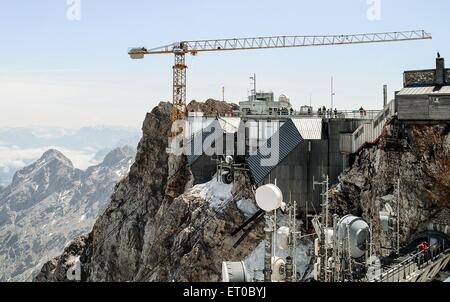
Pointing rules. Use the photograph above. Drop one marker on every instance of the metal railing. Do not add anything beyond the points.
(415, 262)
(368, 132)
(340, 114)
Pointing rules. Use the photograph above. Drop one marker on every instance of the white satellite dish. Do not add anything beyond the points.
(269, 197)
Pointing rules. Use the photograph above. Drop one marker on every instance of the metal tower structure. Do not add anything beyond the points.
(180, 49)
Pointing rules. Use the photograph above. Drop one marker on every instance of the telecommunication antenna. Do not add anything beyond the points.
(398, 218)
(324, 229)
(253, 91)
(332, 96)
(269, 198)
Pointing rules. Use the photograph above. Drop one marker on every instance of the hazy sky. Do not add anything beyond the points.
(59, 72)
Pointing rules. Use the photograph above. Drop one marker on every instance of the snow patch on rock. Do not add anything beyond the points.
(216, 192)
(247, 207)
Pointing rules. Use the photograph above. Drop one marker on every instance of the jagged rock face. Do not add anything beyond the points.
(48, 204)
(157, 227)
(423, 170)
(212, 107)
(52, 172)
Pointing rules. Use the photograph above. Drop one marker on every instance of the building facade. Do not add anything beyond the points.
(264, 103)
(425, 95)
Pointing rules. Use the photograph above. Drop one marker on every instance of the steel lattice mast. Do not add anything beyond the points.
(180, 49)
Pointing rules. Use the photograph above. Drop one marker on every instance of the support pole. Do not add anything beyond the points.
(294, 241)
(332, 97)
(326, 229)
(335, 249)
(289, 269)
(398, 217)
(268, 249)
(349, 254)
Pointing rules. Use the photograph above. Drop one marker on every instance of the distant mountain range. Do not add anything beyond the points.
(85, 146)
(49, 203)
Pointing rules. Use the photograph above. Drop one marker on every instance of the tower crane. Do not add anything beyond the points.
(180, 49)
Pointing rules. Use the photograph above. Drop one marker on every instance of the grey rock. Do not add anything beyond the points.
(156, 228)
(370, 183)
(48, 204)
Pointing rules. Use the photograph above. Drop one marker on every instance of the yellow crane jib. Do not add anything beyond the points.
(180, 49)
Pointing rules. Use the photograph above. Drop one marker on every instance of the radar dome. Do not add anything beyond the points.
(284, 98)
(234, 272)
(357, 230)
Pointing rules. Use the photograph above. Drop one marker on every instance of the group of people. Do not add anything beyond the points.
(327, 112)
(426, 252)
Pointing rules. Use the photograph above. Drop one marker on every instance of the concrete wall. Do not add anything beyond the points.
(203, 169)
(313, 160)
(335, 128)
(422, 107)
(296, 172)
(440, 110)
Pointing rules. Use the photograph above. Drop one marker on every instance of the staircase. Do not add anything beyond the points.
(367, 133)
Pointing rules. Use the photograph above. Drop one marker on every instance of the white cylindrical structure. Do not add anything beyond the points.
(234, 272)
(278, 269)
(357, 231)
(269, 197)
(316, 272)
(283, 238)
(316, 247)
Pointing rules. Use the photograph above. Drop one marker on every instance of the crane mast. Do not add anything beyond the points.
(180, 49)
(179, 87)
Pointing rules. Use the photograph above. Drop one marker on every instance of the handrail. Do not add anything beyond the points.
(406, 264)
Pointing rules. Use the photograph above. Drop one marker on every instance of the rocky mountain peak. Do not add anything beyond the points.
(54, 154)
(50, 203)
(117, 155)
(51, 162)
(53, 172)
(158, 227)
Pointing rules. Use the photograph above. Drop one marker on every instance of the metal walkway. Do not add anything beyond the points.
(417, 267)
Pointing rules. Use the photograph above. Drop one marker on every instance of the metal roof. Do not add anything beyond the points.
(428, 90)
(196, 124)
(195, 147)
(289, 138)
(309, 128)
(230, 124)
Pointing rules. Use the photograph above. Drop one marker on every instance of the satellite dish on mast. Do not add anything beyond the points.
(269, 197)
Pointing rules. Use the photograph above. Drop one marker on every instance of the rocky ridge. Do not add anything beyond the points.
(48, 204)
(158, 227)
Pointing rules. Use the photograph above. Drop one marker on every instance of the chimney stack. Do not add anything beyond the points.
(385, 96)
(440, 71)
